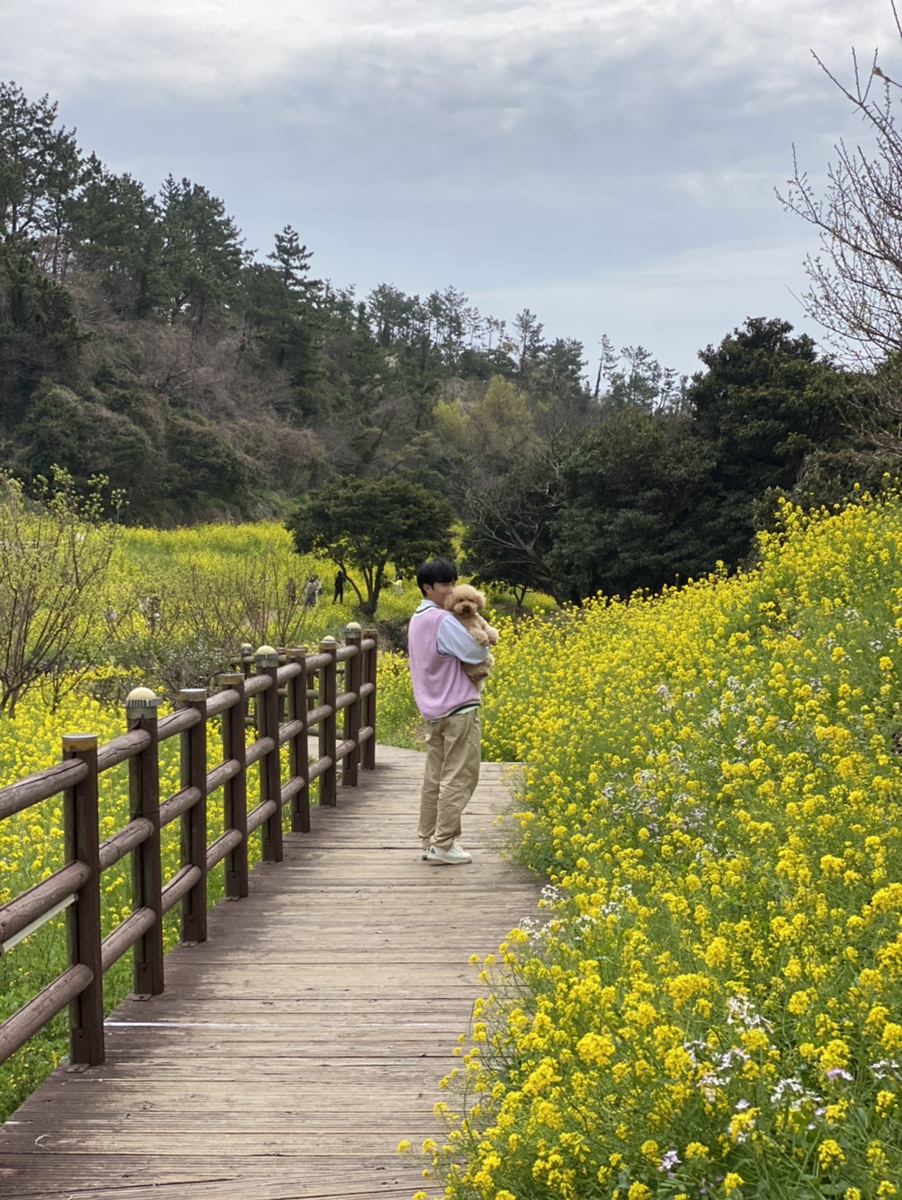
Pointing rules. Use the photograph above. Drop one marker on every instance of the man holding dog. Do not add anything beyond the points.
(448, 700)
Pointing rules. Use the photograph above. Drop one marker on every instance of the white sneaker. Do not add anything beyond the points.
(449, 857)
(426, 843)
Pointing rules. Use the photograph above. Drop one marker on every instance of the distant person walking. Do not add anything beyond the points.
(340, 577)
(312, 589)
(448, 701)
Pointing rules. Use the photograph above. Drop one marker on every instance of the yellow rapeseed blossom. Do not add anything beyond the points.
(830, 1153)
(711, 787)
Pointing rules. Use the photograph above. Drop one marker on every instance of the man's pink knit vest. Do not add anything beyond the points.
(439, 682)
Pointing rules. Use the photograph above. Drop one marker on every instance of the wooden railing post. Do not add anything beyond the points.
(270, 773)
(82, 841)
(247, 658)
(235, 790)
(352, 722)
(328, 725)
(193, 767)
(144, 801)
(298, 755)
(369, 712)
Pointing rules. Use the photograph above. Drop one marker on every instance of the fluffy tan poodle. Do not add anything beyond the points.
(466, 602)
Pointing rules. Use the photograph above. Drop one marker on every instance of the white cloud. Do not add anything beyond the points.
(218, 47)
(608, 164)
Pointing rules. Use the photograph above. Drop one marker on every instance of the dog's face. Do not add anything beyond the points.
(466, 601)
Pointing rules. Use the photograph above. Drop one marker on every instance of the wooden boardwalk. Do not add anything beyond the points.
(293, 1050)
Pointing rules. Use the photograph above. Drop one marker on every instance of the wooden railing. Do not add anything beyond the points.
(305, 691)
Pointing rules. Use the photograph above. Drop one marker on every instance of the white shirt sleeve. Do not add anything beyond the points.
(452, 639)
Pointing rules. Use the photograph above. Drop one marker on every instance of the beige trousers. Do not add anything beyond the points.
(450, 777)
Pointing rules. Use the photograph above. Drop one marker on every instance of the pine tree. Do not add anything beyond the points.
(39, 170)
(201, 253)
(118, 236)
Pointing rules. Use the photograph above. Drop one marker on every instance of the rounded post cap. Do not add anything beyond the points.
(266, 656)
(328, 640)
(353, 629)
(142, 702)
(246, 649)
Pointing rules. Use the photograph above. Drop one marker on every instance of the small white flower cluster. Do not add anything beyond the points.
(712, 719)
(722, 1073)
(549, 896)
(791, 1093)
(887, 1068)
(741, 1011)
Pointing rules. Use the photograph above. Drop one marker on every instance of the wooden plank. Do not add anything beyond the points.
(260, 1177)
(233, 1140)
(294, 1049)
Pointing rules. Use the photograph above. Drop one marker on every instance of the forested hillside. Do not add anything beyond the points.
(142, 340)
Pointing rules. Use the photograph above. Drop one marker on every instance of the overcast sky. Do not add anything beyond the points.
(608, 164)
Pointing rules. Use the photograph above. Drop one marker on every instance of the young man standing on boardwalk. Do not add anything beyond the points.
(448, 700)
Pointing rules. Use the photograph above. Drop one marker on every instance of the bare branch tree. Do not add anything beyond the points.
(856, 278)
(54, 551)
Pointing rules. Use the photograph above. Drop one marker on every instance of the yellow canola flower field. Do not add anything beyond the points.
(713, 1006)
(32, 848)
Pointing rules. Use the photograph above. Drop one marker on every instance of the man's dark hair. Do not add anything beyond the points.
(438, 570)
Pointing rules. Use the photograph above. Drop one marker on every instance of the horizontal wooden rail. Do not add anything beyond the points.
(343, 749)
(38, 901)
(292, 788)
(260, 748)
(221, 775)
(224, 844)
(122, 748)
(178, 804)
(119, 844)
(126, 934)
(40, 1011)
(16, 797)
(291, 729)
(319, 768)
(179, 886)
(303, 684)
(222, 702)
(261, 813)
